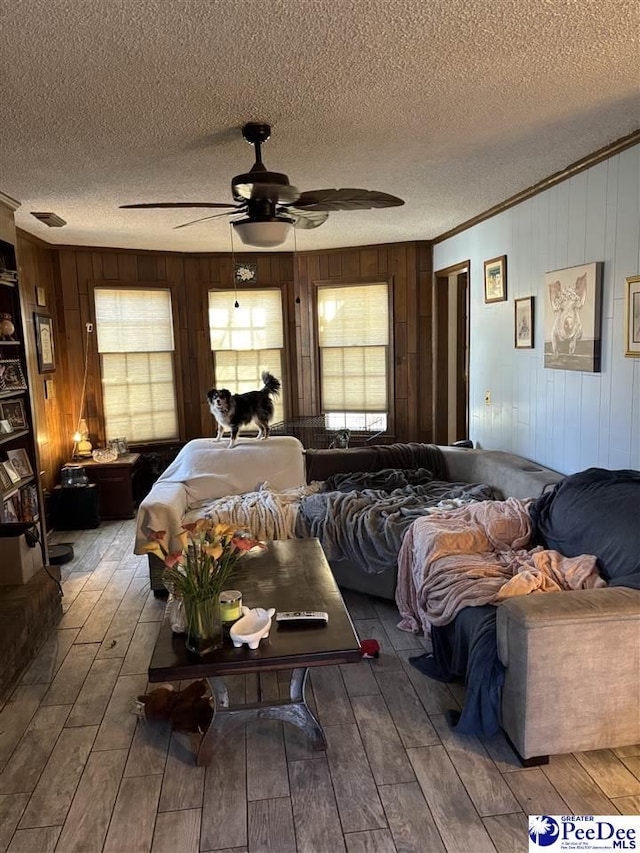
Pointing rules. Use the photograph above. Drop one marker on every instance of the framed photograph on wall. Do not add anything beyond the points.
(632, 317)
(523, 323)
(495, 279)
(43, 325)
(246, 272)
(572, 318)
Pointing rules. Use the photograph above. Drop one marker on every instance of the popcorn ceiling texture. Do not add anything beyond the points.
(453, 105)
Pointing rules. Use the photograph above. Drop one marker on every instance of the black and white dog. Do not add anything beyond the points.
(232, 411)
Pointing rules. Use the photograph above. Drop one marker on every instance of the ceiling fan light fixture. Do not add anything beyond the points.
(263, 233)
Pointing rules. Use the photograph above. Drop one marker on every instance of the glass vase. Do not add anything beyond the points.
(203, 625)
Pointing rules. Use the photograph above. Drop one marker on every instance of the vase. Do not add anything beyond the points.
(203, 625)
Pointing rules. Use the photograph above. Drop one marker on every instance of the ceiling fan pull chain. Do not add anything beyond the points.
(236, 304)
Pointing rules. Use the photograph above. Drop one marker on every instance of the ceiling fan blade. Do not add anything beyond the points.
(277, 193)
(240, 209)
(346, 199)
(306, 219)
(170, 204)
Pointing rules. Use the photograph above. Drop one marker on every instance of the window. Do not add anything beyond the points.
(135, 342)
(353, 336)
(247, 340)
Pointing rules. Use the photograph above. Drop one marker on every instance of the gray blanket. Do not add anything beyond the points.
(366, 526)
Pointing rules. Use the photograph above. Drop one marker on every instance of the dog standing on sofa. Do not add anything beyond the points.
(232, 411)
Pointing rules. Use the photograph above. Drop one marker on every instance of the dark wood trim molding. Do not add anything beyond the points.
(568, 172)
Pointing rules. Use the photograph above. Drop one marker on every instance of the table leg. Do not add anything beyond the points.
(293, 710)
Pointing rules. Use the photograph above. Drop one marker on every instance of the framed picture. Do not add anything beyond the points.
(5, 427)
(572, 318)
(11, 471)
(523, 323)
(9, 514)
(495, 279)
(11, 375)
(13, 411)
(5, 482)
(20, 461)
(44, 342)
(632, 317)
(246, 273)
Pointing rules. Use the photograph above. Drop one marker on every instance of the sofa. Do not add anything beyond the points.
(206, 473)
(570, 660)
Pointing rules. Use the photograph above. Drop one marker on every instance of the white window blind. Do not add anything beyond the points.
(353, 335)
(247, 340)
(134, 330)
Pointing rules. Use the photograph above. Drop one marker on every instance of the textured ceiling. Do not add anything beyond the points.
(454, 105)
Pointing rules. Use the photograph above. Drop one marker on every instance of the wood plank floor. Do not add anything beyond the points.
(80, 772)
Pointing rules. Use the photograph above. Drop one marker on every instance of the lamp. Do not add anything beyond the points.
(81, 438)
(263, 233)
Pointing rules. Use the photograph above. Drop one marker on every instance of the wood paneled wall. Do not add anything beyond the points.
(69, 275)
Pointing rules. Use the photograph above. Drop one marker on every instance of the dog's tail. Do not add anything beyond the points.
(271, 384)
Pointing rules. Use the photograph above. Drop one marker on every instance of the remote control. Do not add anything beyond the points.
(308, 617)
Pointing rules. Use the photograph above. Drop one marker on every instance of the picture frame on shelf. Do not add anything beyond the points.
(495, 279)
(28, 503)
(5, 482)
(11, 471)
(43, 325)
(5, 427)
(11, 375)
(573, 318)
(9, 512)
(632, 317)
(13, 411)
(19, 458)
(524, 318)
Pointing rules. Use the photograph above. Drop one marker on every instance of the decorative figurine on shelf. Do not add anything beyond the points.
(6, 328)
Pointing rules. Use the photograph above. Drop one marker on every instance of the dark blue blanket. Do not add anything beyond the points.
(593, 512)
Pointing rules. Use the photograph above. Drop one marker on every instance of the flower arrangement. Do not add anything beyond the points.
(210, 552)
(197, 574)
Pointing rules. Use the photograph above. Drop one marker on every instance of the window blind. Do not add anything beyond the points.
(353, 335)
(134, 331)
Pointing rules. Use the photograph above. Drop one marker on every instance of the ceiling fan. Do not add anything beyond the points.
(270, 206)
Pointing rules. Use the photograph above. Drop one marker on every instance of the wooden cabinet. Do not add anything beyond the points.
(117, 482)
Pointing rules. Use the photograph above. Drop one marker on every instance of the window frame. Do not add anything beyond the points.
(286, 392)
(95, 362)
(390, 360)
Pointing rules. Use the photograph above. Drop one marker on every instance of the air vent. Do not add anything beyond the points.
(50, 219)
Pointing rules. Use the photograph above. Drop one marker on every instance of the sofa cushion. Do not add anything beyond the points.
(594, 512)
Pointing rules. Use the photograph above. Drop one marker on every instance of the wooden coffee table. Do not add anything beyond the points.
(290, 575)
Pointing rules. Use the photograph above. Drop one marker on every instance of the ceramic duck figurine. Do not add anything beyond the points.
(252, 626)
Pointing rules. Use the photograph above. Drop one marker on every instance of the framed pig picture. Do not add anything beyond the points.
(572, 318)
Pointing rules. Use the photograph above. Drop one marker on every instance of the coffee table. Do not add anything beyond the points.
(289, 575)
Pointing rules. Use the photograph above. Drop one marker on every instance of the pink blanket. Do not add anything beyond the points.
(477, 555)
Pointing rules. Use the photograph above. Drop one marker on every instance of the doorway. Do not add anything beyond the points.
(451, 354)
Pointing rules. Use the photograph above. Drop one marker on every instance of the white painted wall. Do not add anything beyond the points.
(561, 418)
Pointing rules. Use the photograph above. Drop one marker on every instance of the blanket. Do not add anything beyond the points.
(267, 513)
(477, 555)
(366, 526)
(451, 574)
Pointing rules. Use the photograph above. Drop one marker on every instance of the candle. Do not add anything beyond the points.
(230, 605)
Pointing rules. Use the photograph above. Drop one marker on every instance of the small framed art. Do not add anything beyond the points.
(495, 279)
(632, 317)
(246, 273)
(44, 342)
(20, 461)
(13, 411)
(11, 375)
(523, 323)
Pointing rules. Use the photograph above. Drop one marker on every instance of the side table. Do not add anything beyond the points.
(116, 483)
